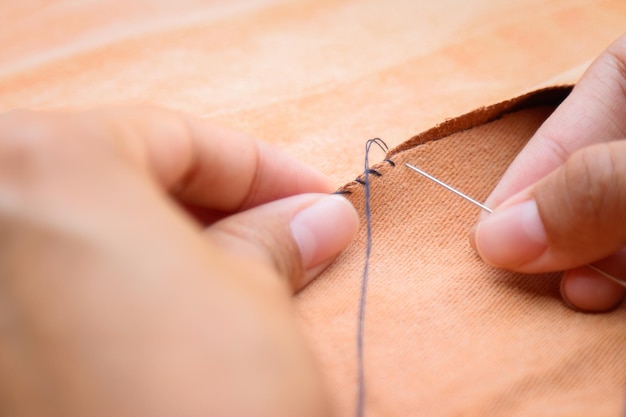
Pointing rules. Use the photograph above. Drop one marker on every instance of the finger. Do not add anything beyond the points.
(587, 290)
(201, 163)
(298, 236)
(572, 217)
(594, 112)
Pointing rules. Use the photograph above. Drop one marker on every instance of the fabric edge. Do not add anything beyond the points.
(552, 95)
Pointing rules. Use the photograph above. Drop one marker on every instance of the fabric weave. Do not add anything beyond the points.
(445, 334)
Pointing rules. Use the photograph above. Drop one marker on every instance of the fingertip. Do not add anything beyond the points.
(512, 236)
(585, 290)
(322, 231)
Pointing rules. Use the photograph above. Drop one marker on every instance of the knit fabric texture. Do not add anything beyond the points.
(446, 334)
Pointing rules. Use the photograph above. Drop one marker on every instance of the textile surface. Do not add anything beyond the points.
(315, 77)
(445, 334)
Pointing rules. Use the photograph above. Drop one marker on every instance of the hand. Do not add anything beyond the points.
(562, 203)
(114, 300)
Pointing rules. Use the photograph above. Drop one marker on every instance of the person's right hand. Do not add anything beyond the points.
(562, 203)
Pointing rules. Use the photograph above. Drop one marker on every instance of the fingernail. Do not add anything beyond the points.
(564, 293)
(472, 237)
(586, 290)
(511, 237)
(324, 229)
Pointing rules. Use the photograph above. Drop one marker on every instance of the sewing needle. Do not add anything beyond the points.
(489, 210)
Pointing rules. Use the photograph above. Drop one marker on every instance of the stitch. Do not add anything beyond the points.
(381, 144)
(342, 192)
(380, 226)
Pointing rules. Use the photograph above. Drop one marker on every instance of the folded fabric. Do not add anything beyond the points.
(446, 334)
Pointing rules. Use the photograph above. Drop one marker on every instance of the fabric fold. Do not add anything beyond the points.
(446, 334)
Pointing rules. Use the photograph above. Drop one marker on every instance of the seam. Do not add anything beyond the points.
(545, 96)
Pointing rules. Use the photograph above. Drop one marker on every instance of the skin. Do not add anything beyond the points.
(562, 202)
(147, 262)
(147, 258)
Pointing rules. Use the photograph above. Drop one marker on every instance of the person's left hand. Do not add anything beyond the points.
(146, 264)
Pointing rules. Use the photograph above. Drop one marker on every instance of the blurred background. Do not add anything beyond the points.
(317, 78)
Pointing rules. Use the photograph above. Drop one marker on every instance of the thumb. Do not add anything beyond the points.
(574, 216)
(298, 236)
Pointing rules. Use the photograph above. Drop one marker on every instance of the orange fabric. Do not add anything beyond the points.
(447, 335)
(315, 77)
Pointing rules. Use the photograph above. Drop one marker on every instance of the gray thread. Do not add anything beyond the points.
(360, 402)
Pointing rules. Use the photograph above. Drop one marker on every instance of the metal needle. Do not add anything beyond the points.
(489, 210)
(446, 186)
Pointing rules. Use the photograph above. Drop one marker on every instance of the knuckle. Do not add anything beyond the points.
(43, 144)
(26, 136)
(557, 148)
(590, 178)
(25, 146)
(40, 153)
